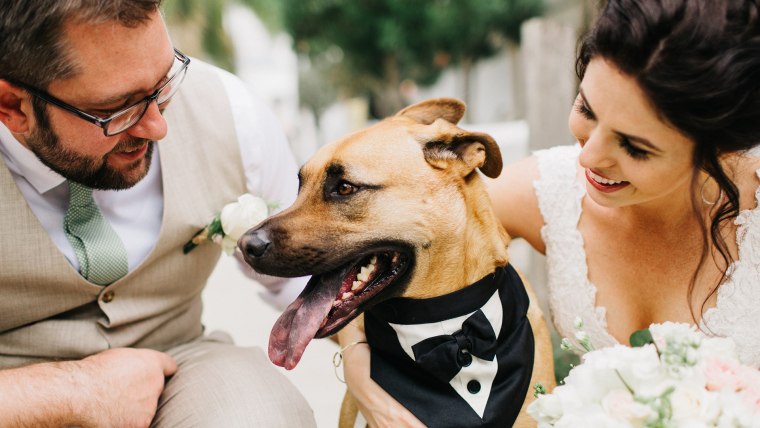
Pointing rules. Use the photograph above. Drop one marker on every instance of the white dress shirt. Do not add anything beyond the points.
(135, 213)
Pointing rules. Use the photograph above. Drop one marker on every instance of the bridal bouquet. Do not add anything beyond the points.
(672, 376)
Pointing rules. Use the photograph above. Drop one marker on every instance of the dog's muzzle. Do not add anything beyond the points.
(254, 243)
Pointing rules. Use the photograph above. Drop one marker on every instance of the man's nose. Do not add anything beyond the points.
(152, 126)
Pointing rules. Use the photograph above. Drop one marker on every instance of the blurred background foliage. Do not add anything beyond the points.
(368, 47)
(205, 19)
(382, 43)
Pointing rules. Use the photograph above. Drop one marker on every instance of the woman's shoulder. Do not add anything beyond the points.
(514, 201)
(518, 195)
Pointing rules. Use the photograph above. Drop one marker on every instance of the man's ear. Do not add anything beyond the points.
(11, 114)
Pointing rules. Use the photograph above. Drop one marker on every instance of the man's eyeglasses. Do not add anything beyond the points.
(125, 118)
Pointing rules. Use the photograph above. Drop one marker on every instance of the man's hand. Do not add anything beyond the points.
(123, 385)
(115, 388)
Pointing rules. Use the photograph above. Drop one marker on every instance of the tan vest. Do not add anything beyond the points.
(49, 312)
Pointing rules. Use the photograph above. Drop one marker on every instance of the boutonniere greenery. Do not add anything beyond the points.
(231, 223)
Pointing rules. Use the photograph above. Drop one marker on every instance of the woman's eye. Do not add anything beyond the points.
(632, 150)
(581, 108)
(345, 188)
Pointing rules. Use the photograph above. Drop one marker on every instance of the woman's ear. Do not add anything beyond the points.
(11, 114)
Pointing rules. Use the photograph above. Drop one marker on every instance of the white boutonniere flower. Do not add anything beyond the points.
(231, 223)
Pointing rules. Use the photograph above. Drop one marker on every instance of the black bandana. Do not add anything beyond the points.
(469, 369)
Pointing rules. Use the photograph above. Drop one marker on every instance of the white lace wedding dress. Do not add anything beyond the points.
(571, 294)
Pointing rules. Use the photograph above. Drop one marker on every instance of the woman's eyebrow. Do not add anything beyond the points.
(633, 138)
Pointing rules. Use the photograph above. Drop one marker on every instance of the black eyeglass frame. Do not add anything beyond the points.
(104, 122)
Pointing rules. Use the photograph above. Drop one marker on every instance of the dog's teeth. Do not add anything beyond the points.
(336, 303)
(357, 285)
(363, 275)
(347, 296)
(374, 260)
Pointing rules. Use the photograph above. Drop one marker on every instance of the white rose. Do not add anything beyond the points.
(591, 417)
(736, 412)
(550, 408)
(674, 329)
(546, 408)
(238, 217)
(677, 335)
(619, 404)
(592, 382)
(639, 368)
(691, 402)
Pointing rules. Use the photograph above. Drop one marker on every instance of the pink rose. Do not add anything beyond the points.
(722, 375)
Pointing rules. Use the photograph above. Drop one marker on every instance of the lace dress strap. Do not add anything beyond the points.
(737, 311)
(571, 295)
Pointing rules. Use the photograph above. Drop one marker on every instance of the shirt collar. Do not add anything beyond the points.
(25, 163)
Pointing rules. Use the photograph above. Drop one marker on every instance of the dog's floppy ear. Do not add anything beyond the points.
(443, 142)
(468, 150)
(427, 112)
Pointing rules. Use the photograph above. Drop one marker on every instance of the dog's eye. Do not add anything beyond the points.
(345, 188)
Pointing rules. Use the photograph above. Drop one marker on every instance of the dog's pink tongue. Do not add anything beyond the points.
(299, 323)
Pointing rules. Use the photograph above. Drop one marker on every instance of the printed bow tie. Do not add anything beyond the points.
(444, 356)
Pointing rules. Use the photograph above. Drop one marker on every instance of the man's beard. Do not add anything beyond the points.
(91, 172)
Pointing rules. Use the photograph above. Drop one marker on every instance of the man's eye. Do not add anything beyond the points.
(108, 112)
(105, 113)
(345, 188)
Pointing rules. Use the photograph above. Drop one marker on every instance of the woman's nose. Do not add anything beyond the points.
(596, 152)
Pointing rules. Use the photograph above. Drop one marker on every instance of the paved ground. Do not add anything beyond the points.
(232, 304)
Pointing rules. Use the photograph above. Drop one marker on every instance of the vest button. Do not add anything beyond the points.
(108, 296)
(465, 358)
(473, 386)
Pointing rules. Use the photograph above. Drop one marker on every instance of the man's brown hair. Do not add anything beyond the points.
(32, 49)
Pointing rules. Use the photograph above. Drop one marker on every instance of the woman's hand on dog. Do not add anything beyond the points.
(377, 406)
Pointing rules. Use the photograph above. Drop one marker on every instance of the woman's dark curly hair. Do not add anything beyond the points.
(698, 62)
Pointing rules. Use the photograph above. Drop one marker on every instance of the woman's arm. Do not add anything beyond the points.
(377, 406)
(514, 201)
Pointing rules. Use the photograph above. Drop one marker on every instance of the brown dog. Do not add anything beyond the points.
(397, 214)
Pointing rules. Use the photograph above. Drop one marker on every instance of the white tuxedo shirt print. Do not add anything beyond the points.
(463, 359)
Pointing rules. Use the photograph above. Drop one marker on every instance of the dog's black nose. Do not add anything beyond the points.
(254, 243)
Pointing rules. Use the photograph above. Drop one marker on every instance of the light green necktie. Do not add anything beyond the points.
(102, 256)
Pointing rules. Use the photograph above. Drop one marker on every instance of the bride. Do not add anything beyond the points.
(653, 216)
